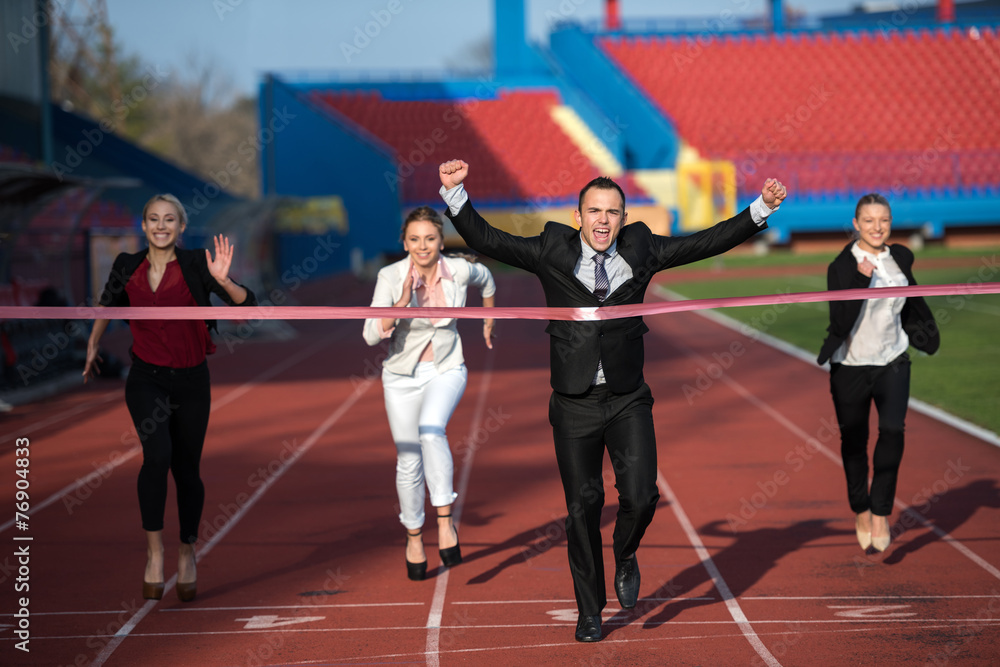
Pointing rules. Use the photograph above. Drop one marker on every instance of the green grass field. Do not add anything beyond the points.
(963, 378)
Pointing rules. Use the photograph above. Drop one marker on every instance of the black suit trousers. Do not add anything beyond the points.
(583, 426)
(170, 409)
(854, 389)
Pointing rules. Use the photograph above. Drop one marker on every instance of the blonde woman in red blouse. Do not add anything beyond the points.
(424, 376)
(167, 391)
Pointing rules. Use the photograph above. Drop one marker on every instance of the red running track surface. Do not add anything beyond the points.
(751, 558)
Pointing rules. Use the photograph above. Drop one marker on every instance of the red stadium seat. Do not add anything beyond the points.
(512, 164)
(865, 98)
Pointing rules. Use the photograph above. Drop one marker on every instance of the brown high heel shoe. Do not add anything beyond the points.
(152, 591)
(186, 591)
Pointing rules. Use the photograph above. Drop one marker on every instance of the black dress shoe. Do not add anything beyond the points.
(627, 582)
(588, 628)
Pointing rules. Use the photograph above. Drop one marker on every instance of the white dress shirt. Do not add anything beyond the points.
(411, 335)
(877, 337)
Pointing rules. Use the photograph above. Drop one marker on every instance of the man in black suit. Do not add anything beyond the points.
(599, 396)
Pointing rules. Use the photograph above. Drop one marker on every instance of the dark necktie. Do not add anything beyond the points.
(601, 286)
(601, 282)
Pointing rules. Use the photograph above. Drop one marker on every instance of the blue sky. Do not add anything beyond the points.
(245, 38)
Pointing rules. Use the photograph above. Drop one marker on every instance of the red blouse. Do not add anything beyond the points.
(172, 343)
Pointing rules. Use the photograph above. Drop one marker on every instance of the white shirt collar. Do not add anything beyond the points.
(588, 252)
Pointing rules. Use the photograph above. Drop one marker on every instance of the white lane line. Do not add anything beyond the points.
(280, 367)
(808, 357)
(947, 538)
(433, 644)
(120, 636)
(916, 598)
(62, 416)
(610, 610)
(115, 461)
(294, 606)
(828, 453)
(869, 626)
(573, 602)
(735, 611)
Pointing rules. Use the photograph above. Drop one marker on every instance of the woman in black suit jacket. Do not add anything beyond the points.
(866, 347)
(167, 391)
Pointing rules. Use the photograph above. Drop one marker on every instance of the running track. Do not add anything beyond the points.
(751, 558)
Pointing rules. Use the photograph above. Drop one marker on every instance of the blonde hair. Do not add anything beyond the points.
(170, 199)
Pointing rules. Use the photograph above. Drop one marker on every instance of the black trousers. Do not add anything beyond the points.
(583, 426)
(854, 388)
(170, 408)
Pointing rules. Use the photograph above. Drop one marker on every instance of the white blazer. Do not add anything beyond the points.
(410, 336)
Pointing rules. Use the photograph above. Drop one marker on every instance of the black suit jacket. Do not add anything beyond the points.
(917, 320)
(194, 268)
(577, 347)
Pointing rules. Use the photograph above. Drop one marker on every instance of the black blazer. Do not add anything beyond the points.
(917, 320)
(576, 347)
(194, 268)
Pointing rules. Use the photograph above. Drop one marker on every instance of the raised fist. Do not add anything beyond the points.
(453, 172)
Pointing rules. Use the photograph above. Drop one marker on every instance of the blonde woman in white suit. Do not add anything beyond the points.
(424, 376)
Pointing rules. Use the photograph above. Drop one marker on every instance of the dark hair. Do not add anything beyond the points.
(872, 198)
(601, 183)
(425, 213)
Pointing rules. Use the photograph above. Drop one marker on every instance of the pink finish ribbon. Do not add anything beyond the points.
(251, 313)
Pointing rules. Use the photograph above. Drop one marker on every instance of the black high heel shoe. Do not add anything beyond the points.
(451, 556)
(416, 571)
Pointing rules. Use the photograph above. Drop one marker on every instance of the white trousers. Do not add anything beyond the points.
(419, 407)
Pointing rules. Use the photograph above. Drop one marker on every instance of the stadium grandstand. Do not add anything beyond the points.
(687, 113)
